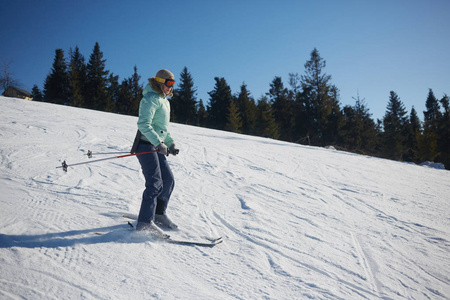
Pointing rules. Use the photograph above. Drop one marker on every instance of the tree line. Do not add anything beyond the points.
(75, 82)
(307, 111)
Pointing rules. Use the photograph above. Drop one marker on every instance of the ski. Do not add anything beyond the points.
(211, 242)
(130, 216)
(207, 243)
(130, 228)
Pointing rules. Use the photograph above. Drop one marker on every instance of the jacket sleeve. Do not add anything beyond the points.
(147, 109)
(168, 140)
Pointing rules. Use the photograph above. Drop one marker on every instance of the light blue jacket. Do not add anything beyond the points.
(154, 118)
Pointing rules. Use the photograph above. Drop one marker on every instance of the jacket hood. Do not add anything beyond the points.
(148, 89)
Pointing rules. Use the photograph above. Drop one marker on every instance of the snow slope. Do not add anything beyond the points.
(299, 222)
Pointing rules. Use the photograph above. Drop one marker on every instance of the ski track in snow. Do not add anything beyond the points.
(298, 222)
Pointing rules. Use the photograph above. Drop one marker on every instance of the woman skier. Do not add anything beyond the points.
(153, 134)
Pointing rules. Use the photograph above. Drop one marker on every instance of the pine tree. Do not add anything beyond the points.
(395, 128)
(265, 122)
(299, 110)
(380, 138)
(56, 86)
(323, 100)
(304, 117)
(97, 96)
(136, 90)
(368, 131)
(219, 103)
(372, 134)
(127, 95)
(77, 78)
(414, 129)
(350, 137)
(202, 115)
(334, 120)
(36, 93)
(114, 92)
(282, 108)
(173, 106)
(432, 114)
(428, 149)
(426, 146)
(444, 133)
(234, 122)
(184, 102)
(358, 132)
(445, 104)
(247, 110)
(295, 84)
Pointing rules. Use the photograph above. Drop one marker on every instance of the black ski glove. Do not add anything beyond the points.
(172, 150)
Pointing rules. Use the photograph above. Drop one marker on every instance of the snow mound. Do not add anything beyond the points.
(434, 165)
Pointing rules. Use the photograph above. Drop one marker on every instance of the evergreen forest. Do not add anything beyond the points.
(305, 110)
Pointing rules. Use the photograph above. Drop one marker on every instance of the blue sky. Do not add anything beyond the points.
(371, 47)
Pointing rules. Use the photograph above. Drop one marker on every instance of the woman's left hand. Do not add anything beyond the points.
(173, 150)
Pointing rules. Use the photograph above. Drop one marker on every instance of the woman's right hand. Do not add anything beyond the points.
(162, 148)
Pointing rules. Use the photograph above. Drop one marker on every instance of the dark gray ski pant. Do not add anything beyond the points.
(159, 183)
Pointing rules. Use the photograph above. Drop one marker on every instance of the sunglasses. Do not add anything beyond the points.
(167, 82)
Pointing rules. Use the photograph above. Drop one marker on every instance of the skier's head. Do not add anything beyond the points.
(165, 81)
(165, 74)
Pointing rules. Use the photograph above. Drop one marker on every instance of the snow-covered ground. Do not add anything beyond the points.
(298, 222)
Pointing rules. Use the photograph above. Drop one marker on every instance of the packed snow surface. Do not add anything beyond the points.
(298, 222)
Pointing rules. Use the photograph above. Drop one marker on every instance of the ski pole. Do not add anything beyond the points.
(64, 165)
(90, 154)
